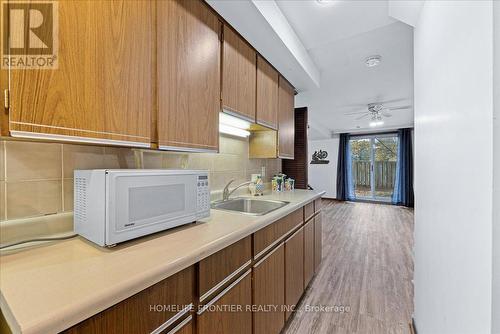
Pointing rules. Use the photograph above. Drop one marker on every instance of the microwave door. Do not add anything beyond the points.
(149, 203)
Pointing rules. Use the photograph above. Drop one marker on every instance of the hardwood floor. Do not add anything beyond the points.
(367, 267)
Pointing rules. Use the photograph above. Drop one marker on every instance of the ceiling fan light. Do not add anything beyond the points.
(325, 2)
(375, 124)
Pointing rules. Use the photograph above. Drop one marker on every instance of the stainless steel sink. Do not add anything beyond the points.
(249, 206)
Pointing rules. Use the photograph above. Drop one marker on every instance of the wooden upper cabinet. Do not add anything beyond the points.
(103, 87)
(188, 75)
(286, 120)
(239, 74)
(267, 94)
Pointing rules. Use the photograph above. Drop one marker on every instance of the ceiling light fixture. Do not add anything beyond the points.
(373, 61)
(324, 2)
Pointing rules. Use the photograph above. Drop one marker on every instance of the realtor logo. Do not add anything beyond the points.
(29, 34)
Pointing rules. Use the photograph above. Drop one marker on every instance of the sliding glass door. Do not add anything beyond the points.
(373, 163)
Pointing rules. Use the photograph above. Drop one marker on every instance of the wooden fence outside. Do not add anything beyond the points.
(385, 174)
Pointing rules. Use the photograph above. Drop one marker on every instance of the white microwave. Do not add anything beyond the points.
(115, 205)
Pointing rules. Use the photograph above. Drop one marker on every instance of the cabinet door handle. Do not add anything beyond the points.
(170, 321)
(182, 324)
(225, 280)
(268, 255)
(294, 234)
(220, 295)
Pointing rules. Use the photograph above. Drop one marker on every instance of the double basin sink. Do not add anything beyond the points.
(249, 206)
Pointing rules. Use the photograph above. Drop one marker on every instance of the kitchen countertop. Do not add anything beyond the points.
(51, 287)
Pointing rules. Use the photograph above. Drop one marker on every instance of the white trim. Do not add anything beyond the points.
(182, 324)
(187, 143)
(77, 139)
(220, 295)
(75, 129)
(170, 321)
(186, 149)
(225, 280)
(236, 114)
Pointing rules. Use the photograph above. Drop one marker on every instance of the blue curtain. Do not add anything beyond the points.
(403, 188)
(345, 189)
(350, 184)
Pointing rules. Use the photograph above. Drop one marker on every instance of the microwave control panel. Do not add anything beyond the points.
(203, 197)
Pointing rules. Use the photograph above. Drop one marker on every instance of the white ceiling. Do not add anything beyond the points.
(321, 49)
(319, 24)
(339, 36)
(347, 85)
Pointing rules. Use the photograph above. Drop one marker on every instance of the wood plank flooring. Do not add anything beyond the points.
(367, 266)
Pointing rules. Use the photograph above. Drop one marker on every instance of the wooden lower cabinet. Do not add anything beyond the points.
(317, 205)
(265, 238)
(134, 314)
(240, 297)
(308, 211)
(230, 311)
(269, 292)
(308, 252)
(294, 270)
(318, 242)
(215, 271)
(185, 327)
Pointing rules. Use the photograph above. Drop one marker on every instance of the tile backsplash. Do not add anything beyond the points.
(37, 178)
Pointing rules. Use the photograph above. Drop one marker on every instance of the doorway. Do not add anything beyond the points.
(374, 166)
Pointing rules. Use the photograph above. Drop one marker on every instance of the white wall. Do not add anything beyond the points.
(496, 176)
(453, 167)
(324, 177)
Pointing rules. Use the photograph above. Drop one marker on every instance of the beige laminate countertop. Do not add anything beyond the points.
(51, 287)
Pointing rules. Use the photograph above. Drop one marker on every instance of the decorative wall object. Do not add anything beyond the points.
(319, 157)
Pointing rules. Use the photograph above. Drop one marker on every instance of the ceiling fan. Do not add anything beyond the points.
(376, 111)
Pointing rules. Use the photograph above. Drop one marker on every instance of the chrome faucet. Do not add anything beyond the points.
(226, 193)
